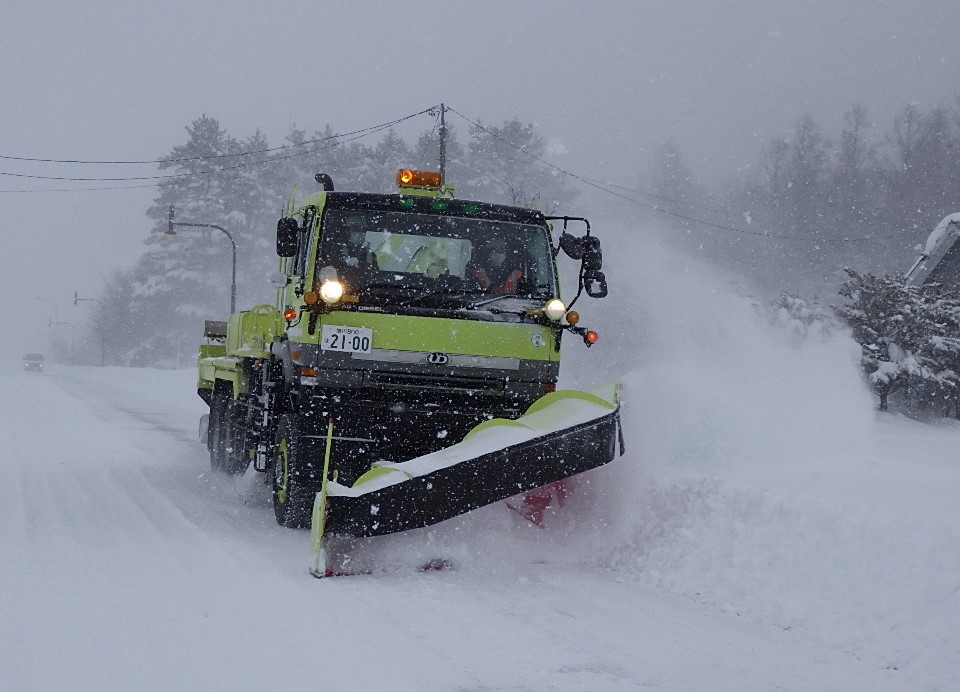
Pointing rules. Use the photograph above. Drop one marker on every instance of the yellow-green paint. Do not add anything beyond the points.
(213, 369)
(444, 191)
(546, 400)
(448, 335)
(378, 471)
(553, 397)
(250, 332)
(206, 374)
(212, 350)
(494, 423)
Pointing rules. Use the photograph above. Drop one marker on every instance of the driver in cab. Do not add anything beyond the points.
(495, 267)
(355, 251)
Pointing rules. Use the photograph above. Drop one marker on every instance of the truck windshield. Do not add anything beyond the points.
(384, 250)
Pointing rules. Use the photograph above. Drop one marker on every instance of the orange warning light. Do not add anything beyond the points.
(408, 177)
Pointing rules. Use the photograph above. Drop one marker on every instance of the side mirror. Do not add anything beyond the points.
(571, 245)
(592, 257)
(287, 232)
(595, 283)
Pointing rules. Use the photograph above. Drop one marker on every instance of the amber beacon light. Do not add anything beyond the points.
(414, 178)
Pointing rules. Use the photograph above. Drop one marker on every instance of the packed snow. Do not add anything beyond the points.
(766, 529)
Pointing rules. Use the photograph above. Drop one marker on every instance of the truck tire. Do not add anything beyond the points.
(292, 494)
(235, 459)
(218, 441)
(204, 430)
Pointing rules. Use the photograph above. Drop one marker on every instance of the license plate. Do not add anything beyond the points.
(346, 339)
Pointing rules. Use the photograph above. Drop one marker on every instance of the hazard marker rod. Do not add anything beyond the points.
(319, 517)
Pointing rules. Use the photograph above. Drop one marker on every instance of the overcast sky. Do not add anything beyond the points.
(609, 81)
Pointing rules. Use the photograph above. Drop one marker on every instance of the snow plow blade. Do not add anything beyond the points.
(562, 434)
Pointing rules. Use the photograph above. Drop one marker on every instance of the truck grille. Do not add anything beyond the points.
(410, 382)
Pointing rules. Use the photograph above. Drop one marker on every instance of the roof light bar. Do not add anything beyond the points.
(409, 177)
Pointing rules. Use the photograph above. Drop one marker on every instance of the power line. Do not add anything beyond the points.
(163, 178)
(83, 189)
(338, 139)
(653, 207)
(184, 175)
(160, 179)
(208, 171)
(368, 130)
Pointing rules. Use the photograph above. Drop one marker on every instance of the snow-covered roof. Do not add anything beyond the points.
(938, 244)
(943, 229)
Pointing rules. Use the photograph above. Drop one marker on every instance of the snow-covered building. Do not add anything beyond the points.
(940, 260)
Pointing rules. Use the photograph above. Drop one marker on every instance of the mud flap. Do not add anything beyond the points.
(561, 435)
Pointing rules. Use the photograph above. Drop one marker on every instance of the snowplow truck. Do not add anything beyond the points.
(408, 368)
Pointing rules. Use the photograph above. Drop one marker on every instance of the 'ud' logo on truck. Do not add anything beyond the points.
(438, 358)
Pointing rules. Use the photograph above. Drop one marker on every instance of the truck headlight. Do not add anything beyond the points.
(554, 309)
(331, 291)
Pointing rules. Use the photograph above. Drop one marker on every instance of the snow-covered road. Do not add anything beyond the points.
(767, 530)
(127, 565)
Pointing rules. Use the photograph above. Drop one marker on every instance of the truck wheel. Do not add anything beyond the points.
(218, 441)
(235, 459)
(204, 430)
(292, 495)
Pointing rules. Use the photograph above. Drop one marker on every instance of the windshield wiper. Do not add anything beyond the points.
(384, 284)
(436, 292)
(473, 306)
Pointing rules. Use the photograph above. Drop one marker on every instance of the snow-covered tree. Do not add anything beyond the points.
(910, 337)
(504, 168)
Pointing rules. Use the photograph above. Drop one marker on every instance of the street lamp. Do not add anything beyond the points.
(233, 282)
(78, 299)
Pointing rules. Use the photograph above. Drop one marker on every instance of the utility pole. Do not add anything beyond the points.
(52, 342)
(443, 144)
(73, 339)
(103, 346)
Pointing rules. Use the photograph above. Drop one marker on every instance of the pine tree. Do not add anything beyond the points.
(909, 337)
(671, 179)
(504, 168)
(854, 172)
(182, 281)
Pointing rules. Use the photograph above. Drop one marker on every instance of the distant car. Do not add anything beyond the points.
(33, 361)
